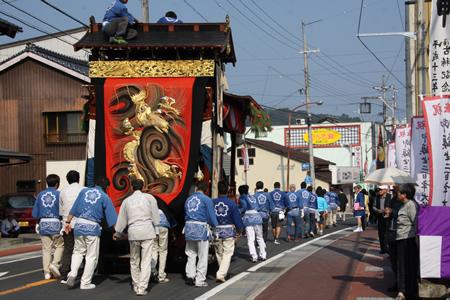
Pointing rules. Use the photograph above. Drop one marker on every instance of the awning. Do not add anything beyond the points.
(8, 158)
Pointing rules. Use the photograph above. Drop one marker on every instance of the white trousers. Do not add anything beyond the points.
(224, 251)
(332, 217)
(342, 215)
(85, 246)
(140, 260)
(51, 244)
(196, 269)
(252, 232)
(159, 253)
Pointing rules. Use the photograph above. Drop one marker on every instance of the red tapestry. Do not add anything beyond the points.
(148, 125)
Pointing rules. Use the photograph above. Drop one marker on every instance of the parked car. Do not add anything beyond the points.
(20, 206)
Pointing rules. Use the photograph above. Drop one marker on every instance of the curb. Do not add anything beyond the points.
(20, 250)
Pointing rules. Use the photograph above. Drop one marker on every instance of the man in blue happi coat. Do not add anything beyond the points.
(313, 212)
(169, 18)
(117, 23)
(333, 206)
(304, 196)
(91, 207)
(230, 224)
(264, 206)
(277, 202)
(161, 243)
(46, 209)
(253, 223)
(294, 215)
(199, 216)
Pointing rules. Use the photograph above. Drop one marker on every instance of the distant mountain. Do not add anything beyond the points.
(281, 116)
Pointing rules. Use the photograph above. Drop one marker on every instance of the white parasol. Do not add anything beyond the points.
(389, 176)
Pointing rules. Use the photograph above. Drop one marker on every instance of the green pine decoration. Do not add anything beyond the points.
(260, 121)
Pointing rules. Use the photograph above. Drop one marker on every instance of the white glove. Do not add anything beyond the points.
(302, 213)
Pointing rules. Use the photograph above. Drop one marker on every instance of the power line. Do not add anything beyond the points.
(64, 13)
(351, 79)
(195, 10)
(34, 27)
(371, 52)
(401, 17)
(37, 19)
(275, 21)
(259, 27)
(267, 24)
(251, 53)
(317, 116)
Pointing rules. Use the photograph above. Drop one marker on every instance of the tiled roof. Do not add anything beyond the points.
(321, 165)
(77, 65)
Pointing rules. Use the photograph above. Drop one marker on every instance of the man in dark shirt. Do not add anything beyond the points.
(342, 204)
(383, 198)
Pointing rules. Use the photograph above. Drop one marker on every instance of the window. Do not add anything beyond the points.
(64, 128)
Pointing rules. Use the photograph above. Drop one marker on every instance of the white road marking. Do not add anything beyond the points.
(19, 257)
(3, 273)
(238, 277)
(21, 274)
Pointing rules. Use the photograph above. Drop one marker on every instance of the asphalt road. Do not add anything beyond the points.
(24, 279)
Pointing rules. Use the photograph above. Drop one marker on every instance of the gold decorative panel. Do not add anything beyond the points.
(151, 68)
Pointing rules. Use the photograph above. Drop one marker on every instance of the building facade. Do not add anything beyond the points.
(41, 111)
(344, 144)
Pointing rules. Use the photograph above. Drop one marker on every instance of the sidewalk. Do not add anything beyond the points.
(350, 268)
(27, 242)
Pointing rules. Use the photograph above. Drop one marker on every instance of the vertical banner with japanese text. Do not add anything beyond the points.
(439, 60)
(403, 148)
(437, 122)
(420, 169)
(391, 155)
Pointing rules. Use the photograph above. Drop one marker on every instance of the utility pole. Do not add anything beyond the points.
(145, 14)
(312, 172)
(421, 35)
(394, 108)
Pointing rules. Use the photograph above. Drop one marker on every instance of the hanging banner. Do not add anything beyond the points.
(420, 169)
(391, 155)
(357, 156)
(152, 132)
(437, 122)
(380, 150)
(244, 155)
(403, 148)
(439, 60)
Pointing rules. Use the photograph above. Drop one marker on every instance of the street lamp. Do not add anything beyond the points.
(310, 143)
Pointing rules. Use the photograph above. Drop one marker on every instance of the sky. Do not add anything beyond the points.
(268, 43)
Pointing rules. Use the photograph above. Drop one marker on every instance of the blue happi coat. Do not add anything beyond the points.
(312, 201)
(294, 204)
(90, 208)
(199, 213)
(228, 217)
(118, 10)
(263, 202)
(250, 208)
(277, 200)
(304, 196)
(46, 209)
(334, 200)
(163, 221)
